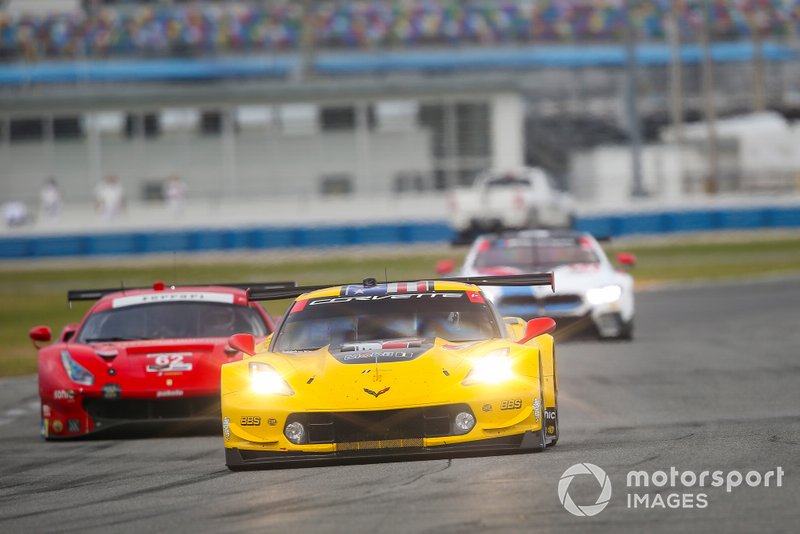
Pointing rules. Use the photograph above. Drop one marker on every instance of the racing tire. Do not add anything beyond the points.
(626, 330)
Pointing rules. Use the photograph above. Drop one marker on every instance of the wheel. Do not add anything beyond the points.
(626, 330)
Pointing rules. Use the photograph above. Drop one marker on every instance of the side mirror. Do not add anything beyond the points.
(41, 334)
(243, 343)
(445, 266)
(626, 259)
(536, 328)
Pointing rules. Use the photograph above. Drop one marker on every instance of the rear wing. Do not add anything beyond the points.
(95, 294)
(537, 279)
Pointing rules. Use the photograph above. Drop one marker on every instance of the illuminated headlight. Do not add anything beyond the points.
(226, 428)
(295, 432)
(464, 422)
(76, 372)
(604, 295)
(493, 368)
(266, 380)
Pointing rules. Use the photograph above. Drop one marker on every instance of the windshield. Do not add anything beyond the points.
(169, 320)
(535, 255)
(335, 321)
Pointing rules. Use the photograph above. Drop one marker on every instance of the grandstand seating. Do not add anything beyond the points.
(203, 28)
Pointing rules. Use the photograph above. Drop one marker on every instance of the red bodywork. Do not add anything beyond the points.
(135, 381)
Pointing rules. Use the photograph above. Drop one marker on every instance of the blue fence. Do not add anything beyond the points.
(205, 240)
(609, 226)
(265, 238)
(359, 63)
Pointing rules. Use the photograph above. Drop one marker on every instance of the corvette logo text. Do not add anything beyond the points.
(405, 296)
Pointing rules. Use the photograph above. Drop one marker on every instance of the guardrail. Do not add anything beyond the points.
(265, 238)
(703, 220)
(216, 239)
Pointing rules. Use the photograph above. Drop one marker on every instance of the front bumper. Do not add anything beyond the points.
(254, 427)
(239, 459)
(89, 415)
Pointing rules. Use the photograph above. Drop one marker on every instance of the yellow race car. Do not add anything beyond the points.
(391, 369)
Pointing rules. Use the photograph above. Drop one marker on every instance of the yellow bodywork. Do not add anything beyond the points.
(321, 383)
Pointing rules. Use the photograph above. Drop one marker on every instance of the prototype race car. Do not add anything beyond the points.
(391, 369)
(143, 355)
(592, 294)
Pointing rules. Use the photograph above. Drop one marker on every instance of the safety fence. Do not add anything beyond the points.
(266, 238)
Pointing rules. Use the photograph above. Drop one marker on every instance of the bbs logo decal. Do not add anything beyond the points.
(250, 420)
(513, 404)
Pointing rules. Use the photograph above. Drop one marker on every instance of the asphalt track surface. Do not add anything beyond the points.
(712, 382)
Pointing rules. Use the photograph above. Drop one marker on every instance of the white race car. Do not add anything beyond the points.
(590, 292)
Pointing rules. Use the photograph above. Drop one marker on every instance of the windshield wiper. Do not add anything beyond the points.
(301, 350)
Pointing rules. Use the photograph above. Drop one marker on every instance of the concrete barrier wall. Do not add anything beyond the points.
(264, 238)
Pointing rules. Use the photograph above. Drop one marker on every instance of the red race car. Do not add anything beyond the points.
(143, 355)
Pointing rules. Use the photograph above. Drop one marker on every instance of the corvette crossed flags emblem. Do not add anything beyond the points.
(376, 394)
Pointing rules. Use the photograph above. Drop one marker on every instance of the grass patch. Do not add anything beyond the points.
(36, 294)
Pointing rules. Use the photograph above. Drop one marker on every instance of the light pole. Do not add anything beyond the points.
(631, 100)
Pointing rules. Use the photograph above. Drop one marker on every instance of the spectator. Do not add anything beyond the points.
(50, 200)
(175, 193)
(15, 213)
(109, 198)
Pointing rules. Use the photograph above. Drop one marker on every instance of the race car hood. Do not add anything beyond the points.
(374, 378)
(159, 368)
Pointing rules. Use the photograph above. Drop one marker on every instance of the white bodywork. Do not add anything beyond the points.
(527, 199)
(598, 292)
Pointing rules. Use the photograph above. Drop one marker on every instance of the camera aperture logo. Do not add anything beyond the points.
(602, 499)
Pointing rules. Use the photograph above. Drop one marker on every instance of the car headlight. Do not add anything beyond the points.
(604, 295)
(493, 368)
(264, 379)
(76, 372)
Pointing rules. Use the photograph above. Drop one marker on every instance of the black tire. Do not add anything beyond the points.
(626, 331)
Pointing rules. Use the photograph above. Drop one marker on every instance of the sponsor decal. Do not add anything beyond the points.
(380, 354)
(172, 297)
(226, 428)
(45, 410)
(550, 419)
(537, 409)
(73, 425)
(45, 431)
(383, 289)
(401, 296)
(169, 393)
(513, 404)
(475, 297)
(487, 408)
(112, 391)
(58, 426)
(272, 421)
(376, 394)
(169, 362)
(250, 420)
(64, 394)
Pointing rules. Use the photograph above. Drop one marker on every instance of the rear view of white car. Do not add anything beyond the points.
(590, 292)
